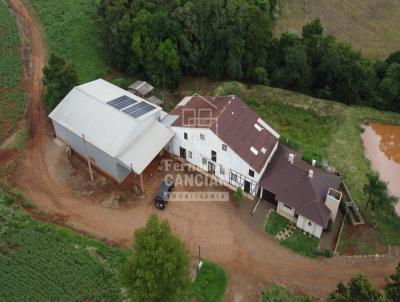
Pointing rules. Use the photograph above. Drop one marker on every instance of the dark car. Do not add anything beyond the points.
(163, 193)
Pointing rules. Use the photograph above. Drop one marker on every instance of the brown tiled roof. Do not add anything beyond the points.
(292, 186)
(233, 122)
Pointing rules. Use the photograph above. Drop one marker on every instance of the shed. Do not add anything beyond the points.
(155, 100)
(140, 88)
(115, 130)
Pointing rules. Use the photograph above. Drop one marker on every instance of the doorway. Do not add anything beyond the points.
(247, 186)
(182, 152)
(211, 168)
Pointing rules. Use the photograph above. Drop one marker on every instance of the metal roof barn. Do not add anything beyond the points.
(119, 131)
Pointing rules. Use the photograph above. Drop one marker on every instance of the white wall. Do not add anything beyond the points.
(202, 148)
(101, 159)
(285, 211)
(309, 226)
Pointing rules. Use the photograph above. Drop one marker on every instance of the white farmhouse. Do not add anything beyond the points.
(224, 137)
(117, 131)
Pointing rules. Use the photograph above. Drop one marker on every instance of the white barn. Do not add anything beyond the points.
(119, 132)
(224, 137)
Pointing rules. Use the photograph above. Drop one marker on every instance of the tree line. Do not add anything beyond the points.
(232, 39)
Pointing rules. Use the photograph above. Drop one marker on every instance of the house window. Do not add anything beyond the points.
(309, 223)
(224, 147)
(204, 161)
(190, 154)
(213, 156)
(221, 170)
(202, 137)
(185, 135)
(251, 172)
(233, 176)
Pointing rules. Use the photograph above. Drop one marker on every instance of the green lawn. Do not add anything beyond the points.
(71, 32)
(279, 293)
(12, 94)
(302, 244)
(275, 223)
(210, 284)
(322, 129)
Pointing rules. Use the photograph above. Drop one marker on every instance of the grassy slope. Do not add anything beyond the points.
(12, 95)
(369, 25)
(329, 129)
(70, 29)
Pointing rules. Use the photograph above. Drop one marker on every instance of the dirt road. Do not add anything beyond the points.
(251, 258)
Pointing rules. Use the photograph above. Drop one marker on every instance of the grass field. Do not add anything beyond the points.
(70, 30)
(12, 94)
(369, 25)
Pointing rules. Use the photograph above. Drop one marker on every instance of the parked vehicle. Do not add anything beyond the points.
(162, 196)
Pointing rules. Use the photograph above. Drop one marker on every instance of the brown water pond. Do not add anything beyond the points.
(382, 148)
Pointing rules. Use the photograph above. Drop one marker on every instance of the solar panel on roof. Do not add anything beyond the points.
(139, 109)
(122, 102)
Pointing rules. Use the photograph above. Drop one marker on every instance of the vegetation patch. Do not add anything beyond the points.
(70, 29)
(12, 95)
(210, 284)
(279, 293)
(302, 244)
(275, 223)
(42, 262)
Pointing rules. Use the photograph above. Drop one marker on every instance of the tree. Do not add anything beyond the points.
(376, 190)
(392, 289)
(157, 269)
(313, 29)
(59, 77)
(238, 195)
(390, 87)
(359, 289)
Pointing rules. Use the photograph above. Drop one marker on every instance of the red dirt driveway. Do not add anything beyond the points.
(251, 258)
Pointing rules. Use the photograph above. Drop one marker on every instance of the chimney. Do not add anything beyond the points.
(310, 173)
(313, 162)
(291, 158)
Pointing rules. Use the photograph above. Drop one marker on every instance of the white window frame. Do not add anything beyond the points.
(202, 137)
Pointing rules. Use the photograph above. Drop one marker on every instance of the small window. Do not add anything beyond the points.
(204, 161)
(221, 170)
(190, 154)
(185, 135)
(309, 223)
(213, 156)
(251, 172)
(224, 147)
(202, 136)
(233, 176)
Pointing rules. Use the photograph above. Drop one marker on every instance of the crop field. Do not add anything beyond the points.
(70, 30)
(43, 262)
(12, 94)
(369, 25)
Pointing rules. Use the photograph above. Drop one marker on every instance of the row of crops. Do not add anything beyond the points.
(12, 94)
(42, 262)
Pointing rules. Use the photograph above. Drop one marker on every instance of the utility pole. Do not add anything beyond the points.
(88, 158)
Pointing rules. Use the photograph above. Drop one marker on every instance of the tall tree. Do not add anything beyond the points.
(157, 269)
(359, 289)
(392, 289)
(376, 190)
(59, 77)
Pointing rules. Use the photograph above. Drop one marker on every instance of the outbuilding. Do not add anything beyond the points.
(118, 132)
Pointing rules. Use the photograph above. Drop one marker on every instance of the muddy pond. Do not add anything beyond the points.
(382, 148)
